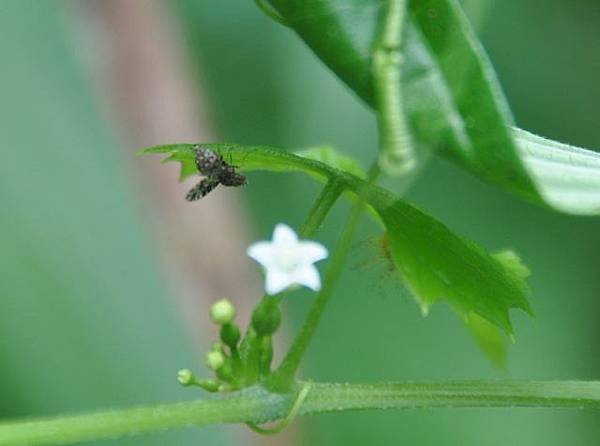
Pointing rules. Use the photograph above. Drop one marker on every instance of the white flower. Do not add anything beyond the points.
(287, 260)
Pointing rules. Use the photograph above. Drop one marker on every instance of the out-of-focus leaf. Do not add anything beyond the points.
(435, 263)
(453, 98)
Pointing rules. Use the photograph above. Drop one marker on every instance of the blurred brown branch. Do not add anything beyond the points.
(136, 57)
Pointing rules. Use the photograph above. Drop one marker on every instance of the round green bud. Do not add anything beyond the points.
(222, 312)
(218, 346)
(185, 377)
(266, 318)
(215, 360)
(230, 335)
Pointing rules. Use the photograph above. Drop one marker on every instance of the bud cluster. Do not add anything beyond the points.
(238, 364)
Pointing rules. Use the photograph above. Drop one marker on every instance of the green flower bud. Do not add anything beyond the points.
(266, 317)
(185, 377)
(215, 360)
(222, 312)
(218, 346)
(230, 335)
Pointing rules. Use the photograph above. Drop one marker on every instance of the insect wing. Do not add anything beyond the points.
(202, 189)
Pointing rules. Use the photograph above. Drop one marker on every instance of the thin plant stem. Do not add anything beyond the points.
(283, 377)
(294, 410)
(256, 405)
(323, 204)
(327, 198)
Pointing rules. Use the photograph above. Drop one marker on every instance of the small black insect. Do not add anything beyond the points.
(208, 162)
(215, 171)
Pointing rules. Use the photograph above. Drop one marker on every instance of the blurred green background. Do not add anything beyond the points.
(87, 318)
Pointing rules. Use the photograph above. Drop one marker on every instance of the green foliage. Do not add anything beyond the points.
(568, 176)
(435, 263)
(453, 100)
(489, 339)
(455, 104)
(438, 265)
(333, 158)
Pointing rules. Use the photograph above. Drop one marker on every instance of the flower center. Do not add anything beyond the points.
(287, 258)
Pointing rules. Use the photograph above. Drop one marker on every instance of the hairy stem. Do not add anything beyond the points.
(256, 405)
(283, 377)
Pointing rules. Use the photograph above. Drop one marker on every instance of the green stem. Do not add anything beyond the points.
(397, 151)
(325, 201)
(256, 405)
(283, 377)
(329, 195)
(294, 410)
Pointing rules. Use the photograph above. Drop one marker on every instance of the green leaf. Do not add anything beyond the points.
(333, 158)
(489, 339)
(453, 99)
(246, 158)
(568, 176)
(439, 265)
(488, 336)
(435, 263)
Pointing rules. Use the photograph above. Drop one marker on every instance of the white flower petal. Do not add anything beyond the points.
(312, 252)
(262, 252)
(288, 261)
(283, 235)
(277, 281)
(308, 276)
